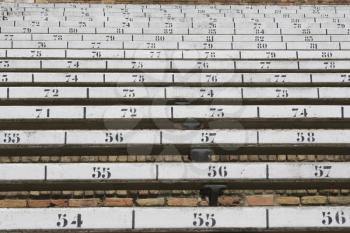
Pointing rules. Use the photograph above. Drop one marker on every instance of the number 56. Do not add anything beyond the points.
(337, 218)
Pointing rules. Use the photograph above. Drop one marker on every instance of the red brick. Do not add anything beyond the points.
(204, 202)
(287, 200)
(39, 203)
(314, 200)
(174, 201)
(84, 202)
(260, 200)
(339, 200)
(118, 202)
(229, 200)
(59, 203)
(13, 203)
(151, 201)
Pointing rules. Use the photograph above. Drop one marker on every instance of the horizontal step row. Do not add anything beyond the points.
(181, 218)
(203, 13)
(172, 171)
(176, 78)
(170, 93)
(173, 54)
(173, 45)
(182, 30)
(76, 7)
(154, 7)
(70, 112)
(193, 26)
(131, 21)
(263, 137)
(193, 23)
(174, 38)
(166, 6)
(108, 19)
(173, 7)
(128, 18)
(165, 65)
(60, 7)
(164, 14)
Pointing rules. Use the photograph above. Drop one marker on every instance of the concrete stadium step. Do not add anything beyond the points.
(174, 93)
(172, 54)
(175, 65)
(177, 218)
(144, 78)
(174, 172)
(185, 55)
(263, 137)
(129, 112)
(175, 38)
(174, 175)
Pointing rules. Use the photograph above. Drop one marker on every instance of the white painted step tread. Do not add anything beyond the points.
(72, 172)
(199, 218)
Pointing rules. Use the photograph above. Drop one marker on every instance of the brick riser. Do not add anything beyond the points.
(225, 200)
